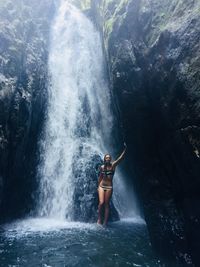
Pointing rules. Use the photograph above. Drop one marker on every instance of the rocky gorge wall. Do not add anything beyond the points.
(153, 50)
(24, 29)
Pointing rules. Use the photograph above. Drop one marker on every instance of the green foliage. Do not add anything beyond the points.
(113, 13)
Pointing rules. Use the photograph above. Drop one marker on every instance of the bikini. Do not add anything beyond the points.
(106, 173)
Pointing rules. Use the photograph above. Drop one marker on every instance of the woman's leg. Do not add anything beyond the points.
(108, 194)
(101, 202)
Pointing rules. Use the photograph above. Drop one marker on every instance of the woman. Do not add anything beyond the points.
(105, 189)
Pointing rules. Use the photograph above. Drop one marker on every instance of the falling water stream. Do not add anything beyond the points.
(79, 118)
(78, 126)
(79, 121)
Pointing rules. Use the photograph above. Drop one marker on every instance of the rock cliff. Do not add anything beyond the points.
(153, 50)
(23, 75)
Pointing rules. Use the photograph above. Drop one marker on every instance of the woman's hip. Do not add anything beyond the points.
(106, 187)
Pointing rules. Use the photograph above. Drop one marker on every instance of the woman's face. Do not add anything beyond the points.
(107, 158)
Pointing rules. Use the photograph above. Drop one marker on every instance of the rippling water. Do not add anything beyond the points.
(46, 242)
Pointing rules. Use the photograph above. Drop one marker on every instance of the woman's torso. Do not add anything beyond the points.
(107, 175)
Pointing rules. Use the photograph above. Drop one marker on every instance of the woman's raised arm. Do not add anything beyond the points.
(118, 160)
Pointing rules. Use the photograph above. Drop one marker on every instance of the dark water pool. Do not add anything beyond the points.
(46, 242)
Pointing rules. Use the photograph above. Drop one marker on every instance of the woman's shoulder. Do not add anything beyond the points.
(101, 167)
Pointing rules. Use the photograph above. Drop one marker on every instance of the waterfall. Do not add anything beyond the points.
(79, 118)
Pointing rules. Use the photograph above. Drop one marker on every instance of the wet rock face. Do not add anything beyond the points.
(23, 74)
(153, 54)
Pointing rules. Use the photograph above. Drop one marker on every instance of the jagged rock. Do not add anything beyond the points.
(23, 76)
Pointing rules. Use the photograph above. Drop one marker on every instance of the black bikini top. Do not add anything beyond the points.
(108, 172)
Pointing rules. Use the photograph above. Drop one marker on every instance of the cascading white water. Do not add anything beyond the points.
(79, 117)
